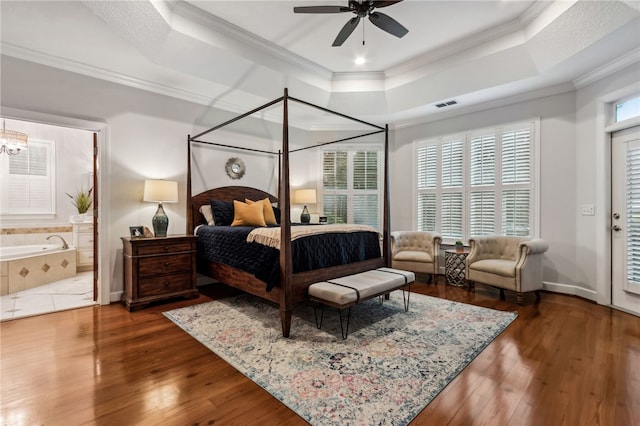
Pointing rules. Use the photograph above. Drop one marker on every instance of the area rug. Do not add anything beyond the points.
(391, 366)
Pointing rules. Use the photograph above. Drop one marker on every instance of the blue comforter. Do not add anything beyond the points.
(228, 245)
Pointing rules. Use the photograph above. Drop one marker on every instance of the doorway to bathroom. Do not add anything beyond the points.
(49, 196)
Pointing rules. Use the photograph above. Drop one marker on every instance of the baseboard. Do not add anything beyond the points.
(571, 289)
(115, 296)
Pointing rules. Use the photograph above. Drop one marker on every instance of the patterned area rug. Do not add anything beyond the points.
(391, 366)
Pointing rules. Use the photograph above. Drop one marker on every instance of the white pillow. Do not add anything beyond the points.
(205, 209)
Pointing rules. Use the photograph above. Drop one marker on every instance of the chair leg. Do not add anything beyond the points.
(501, 294)
(519, 298)
(537, 296)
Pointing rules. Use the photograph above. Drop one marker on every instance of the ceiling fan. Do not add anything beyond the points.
(361, 9)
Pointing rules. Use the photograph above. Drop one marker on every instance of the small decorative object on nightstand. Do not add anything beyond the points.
(158, 268)
(454, 267)
(459, 247)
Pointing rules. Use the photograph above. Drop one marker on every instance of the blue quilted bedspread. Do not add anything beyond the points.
(228, 245)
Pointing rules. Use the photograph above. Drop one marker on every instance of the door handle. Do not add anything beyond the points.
(616, 228)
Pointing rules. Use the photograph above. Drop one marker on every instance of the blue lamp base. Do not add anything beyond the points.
(305, 217)
(160, 222)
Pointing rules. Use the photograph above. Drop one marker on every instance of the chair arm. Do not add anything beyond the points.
(535, 246)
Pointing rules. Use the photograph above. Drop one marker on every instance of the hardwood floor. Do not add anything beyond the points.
(565, 361)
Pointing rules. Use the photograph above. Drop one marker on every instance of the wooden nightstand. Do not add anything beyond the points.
(158, 268)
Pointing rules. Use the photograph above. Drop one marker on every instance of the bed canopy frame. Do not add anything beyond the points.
(293, 287)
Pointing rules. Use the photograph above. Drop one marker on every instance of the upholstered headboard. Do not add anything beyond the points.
(225, 193)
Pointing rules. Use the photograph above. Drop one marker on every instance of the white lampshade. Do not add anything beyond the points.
(160, 191)
(304, 196)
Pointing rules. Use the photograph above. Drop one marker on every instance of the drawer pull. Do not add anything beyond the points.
(166, 248)
(166, 264)
(166, 283)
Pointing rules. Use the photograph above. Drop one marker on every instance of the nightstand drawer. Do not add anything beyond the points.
(146, 250)
(164, 284)
(149, 266)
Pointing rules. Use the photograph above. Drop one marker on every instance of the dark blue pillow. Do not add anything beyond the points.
(276, 213)
(222, 212)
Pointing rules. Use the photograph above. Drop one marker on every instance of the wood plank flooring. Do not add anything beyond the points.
(565, 361)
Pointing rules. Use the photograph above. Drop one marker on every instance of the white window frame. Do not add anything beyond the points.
(350, 192)
(6, 210)
(498, 187)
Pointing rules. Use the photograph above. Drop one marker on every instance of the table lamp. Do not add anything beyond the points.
(305, 196)
(160, 191)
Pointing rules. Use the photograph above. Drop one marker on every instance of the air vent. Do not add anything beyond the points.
(447, 103)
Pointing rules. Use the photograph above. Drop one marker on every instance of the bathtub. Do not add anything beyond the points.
(17, 252)
(26, 267)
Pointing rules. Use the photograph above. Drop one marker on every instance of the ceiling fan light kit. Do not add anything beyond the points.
(361, 10)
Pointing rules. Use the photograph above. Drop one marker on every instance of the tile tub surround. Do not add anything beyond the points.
(33, 271)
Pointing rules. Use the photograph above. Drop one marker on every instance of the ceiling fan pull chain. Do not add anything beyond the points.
(363, 32)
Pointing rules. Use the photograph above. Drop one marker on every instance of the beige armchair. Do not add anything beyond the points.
(511, 263)
(416, 251)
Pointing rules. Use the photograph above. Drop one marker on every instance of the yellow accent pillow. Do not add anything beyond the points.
(267, 210)
(247, 214)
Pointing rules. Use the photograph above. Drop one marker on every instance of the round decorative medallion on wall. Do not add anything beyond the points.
(235, 168)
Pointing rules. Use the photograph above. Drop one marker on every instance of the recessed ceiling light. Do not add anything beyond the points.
(359, 60)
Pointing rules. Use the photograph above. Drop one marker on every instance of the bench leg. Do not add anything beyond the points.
(406, 299)
(315, 314)
(343, 329)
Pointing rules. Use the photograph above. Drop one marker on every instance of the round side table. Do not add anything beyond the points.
(454, 267)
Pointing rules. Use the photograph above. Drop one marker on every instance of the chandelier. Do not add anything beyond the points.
(12, 142)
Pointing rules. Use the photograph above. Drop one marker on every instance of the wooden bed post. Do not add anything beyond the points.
(189, 200)
(286, 265)
(386, 249)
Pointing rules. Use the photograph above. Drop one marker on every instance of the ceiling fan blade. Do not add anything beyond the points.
(388, 24)
(320, 9)
(346, 31)
(384, 3)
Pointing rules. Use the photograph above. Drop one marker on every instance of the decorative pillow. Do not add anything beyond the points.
(267, 209)
(276, 213)
(248, 214)
(222, 212)
(208, 214)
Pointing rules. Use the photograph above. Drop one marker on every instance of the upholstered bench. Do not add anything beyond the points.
(344, 292)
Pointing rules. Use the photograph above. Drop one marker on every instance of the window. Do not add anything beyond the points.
(478, 183)
(628, 109)
(28, 180)
(351, 185)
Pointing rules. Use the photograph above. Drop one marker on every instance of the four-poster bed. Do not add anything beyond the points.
(293, 286)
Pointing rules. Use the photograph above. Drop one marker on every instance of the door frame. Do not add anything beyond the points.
(604, 130)
(101, 130)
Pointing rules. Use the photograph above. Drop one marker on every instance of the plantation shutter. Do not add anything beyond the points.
(427, 211)
(427, 174)
(633, 212)
(29, 181)
(365, 204)
(452, 175)
(478, 183)
(482, 177)
(516, 193)
(351, 183)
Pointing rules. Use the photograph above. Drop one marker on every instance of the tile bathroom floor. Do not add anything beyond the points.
(70, 293)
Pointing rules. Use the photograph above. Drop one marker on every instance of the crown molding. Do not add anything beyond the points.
(114, 77)
(608, 69)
